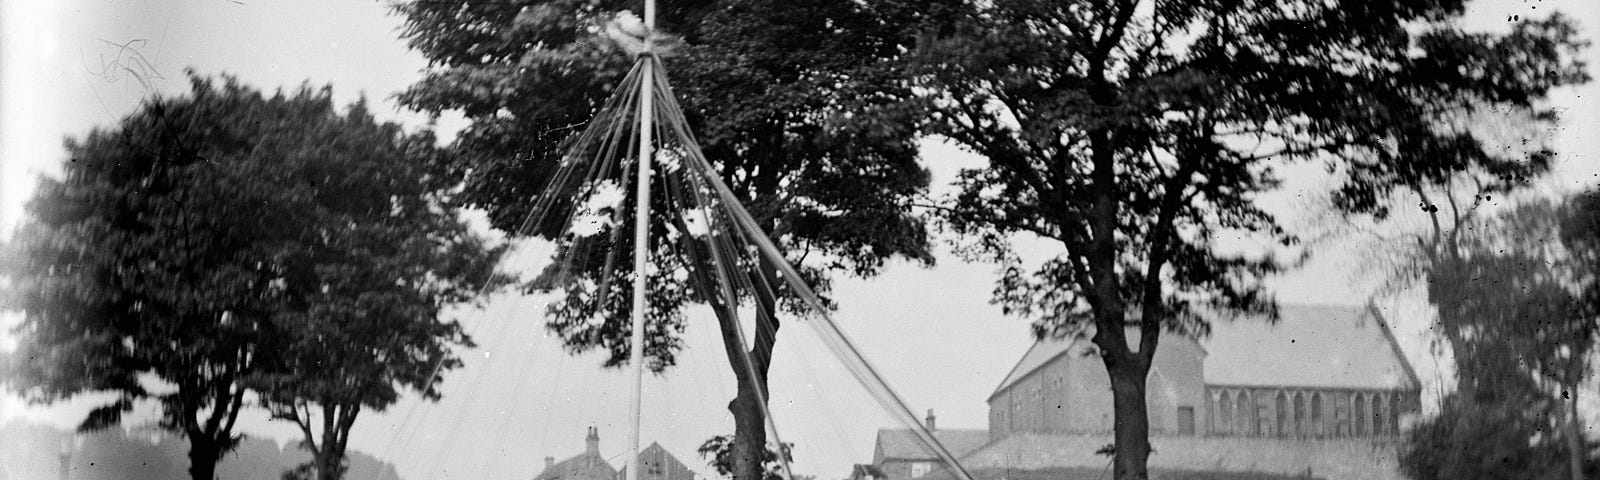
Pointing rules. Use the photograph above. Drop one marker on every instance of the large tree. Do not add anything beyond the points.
(222, 241)
(1133, 133)
(153, 254)
(784, 98)
(1516, 300)
(377, 256)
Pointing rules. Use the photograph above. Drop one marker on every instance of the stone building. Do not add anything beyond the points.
(1323, 380)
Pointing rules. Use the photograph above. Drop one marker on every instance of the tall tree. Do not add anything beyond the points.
(154, 254)
(377, 256)
(1515, 301)
(783, 97)
(1132, 133)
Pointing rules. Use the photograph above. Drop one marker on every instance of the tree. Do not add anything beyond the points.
(1512, 302)
(791, 100)
(153, 254)
(378, 254)
(226, 241)
(1132, 133)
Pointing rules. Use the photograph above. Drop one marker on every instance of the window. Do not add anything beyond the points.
(1395, 409)
(1243, 414)
(1316, 414)
(1225, 413)
(1282, 419)
(1185, 420)
(918, 469)
(1300, 427)
(1359, 416)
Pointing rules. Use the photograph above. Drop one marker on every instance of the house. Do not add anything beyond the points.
(590, 465)
(899, 454)
(1325, 389)
(657, 464)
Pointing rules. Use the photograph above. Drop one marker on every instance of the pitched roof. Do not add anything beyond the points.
(584, 466)
(1042, 352)
(902, 443)
(1310, 346)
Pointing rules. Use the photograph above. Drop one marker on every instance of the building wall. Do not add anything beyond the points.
(1072, 394)
(1328, 458)
(1309, 412)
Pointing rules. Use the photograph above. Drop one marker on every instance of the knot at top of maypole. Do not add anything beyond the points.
(631, 34)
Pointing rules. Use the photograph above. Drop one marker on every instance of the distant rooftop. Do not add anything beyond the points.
(903, 444)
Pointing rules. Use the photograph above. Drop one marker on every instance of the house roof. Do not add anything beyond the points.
(902, 443)
(584, 466)
(1310, 346)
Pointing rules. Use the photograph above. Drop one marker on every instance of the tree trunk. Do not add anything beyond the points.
(1132, 423)
(1575, 450)
(749, 423)
(203, 456)
(749, 436)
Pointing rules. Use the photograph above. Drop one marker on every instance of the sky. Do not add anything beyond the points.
(70, 66)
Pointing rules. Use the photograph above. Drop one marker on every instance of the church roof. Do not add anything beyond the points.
(902, 443)
(1310, 346)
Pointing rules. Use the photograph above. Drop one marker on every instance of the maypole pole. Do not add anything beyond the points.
(641, 238)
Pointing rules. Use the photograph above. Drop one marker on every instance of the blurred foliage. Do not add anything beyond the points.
(1518, 303)
(718, 451)
(1135, 134)
(1472, 440)
(227, 241)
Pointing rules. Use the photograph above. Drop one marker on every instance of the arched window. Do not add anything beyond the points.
(1380, 415)
(1281, 420)
(1243, 415)
(1359, 416)
(1317, 421)
(1225, 413)
(1395, 409)
(1299, 427)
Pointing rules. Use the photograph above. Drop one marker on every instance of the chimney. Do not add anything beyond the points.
(930, 420)
(549, 462)
(593, 441)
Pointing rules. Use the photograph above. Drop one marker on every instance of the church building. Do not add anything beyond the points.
(1325, 389)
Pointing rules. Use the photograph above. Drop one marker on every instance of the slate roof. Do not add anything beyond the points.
(1311, 346)
(902, 444)
(584, 466)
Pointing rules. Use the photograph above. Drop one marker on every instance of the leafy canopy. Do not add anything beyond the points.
(776, 92)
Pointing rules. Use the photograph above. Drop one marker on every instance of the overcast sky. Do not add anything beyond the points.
(70, 66)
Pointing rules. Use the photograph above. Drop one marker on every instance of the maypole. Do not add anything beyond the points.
(641, 239)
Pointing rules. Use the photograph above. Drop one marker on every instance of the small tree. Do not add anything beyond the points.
(719, 453)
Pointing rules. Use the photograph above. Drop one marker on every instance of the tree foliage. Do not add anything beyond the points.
(795, 102)
(1133, 134)
(1516, 301)
(225, 241)
(378, 254)
(719, 453)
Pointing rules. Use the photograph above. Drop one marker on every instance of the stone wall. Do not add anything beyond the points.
(1359, 459)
